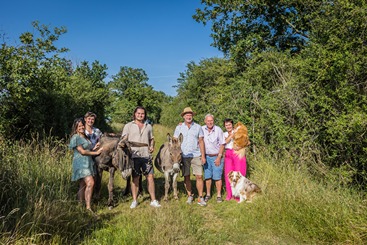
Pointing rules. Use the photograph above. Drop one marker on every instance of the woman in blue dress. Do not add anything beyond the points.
(83, 165)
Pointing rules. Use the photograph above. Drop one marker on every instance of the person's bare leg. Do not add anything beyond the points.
(81, 191)
(151, 187)
(208, 183)
(187, 182)
(135, 187)
(200, 185)
(218, 185)
(89, 182)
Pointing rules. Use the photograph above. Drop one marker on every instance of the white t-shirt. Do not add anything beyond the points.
(230, 144)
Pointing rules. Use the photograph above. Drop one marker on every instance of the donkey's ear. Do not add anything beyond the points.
(124, 137)
(180, 137)
(169, 138)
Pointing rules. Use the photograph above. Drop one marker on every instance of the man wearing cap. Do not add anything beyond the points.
(193, 153)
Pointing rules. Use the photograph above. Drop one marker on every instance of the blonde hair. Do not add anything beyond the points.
(90, 114)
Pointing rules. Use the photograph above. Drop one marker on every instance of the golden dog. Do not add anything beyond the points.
(240, 139)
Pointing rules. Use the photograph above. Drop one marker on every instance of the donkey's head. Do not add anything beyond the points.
(122, 157)
(175, 151)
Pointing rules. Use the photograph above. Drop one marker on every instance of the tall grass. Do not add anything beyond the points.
(295, 208)
(38, 202)
(39, 206)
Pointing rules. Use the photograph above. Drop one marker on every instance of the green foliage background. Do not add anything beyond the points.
(294, 72)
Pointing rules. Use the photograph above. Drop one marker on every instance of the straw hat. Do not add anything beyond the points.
(187, 110)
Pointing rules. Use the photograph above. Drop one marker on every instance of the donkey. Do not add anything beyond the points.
(115, 156)
(168, 161)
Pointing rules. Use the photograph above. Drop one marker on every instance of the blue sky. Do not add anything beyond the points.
(158, 36)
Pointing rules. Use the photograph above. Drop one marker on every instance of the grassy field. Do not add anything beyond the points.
(39, 206)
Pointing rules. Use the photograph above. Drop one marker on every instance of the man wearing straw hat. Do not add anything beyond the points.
(193, 153)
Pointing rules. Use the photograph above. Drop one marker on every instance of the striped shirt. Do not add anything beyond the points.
(213, 139)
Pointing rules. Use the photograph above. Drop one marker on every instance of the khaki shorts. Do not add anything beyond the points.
(195, 163)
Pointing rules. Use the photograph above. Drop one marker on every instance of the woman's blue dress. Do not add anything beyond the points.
(83, 166)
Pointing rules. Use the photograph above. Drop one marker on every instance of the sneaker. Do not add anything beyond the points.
(201, 201)
(207, 198)
(134, 204)
(155, 204)
(190, 199)
(219, 199)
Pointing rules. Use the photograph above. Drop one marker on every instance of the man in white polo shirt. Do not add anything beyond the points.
(214, 147)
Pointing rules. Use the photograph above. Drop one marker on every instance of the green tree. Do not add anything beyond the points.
(313, 102)
(258, 24)
(204, 86)
(31, 76)
(89, 91)
(129, 88)
(40, 92)
(336, 68)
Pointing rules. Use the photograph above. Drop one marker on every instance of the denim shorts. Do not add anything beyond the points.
(211, 171)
